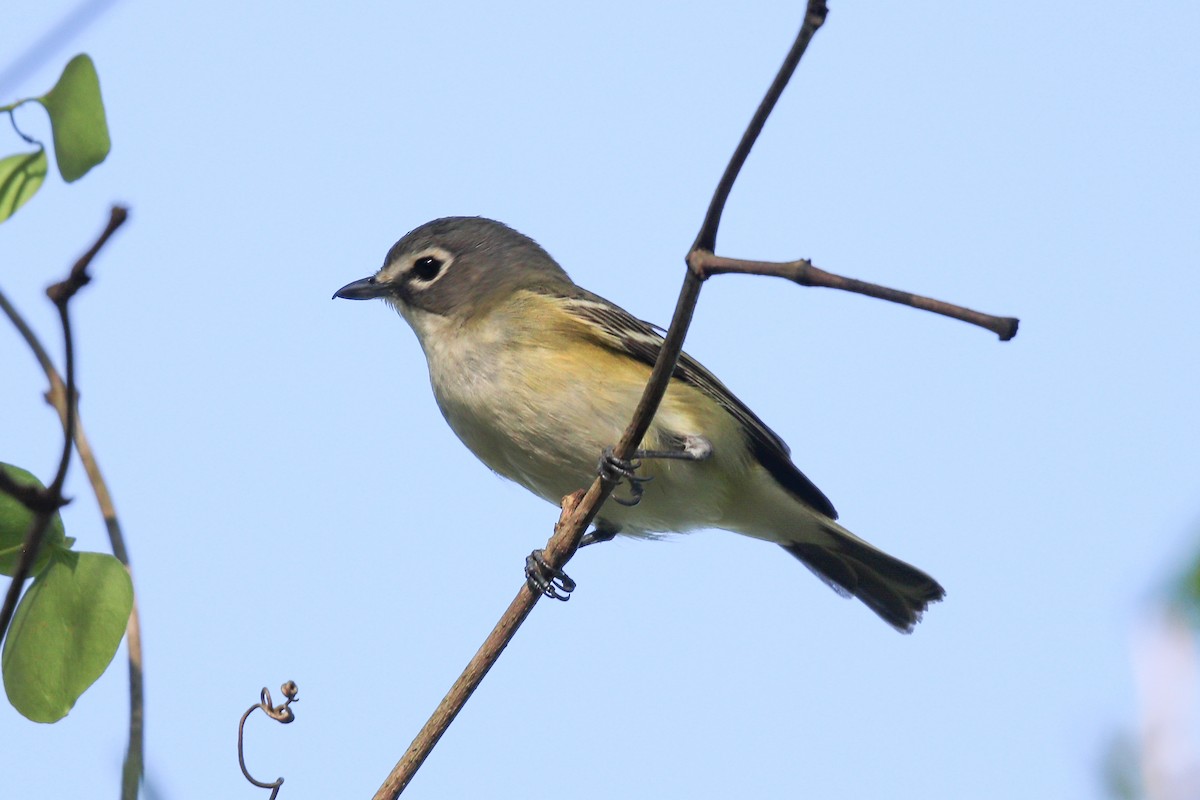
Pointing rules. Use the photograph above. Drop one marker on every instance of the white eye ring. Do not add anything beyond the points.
(427, 268)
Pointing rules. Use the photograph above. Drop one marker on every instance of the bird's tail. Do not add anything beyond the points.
(896, 591)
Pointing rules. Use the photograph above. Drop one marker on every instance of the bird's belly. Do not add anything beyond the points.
(547, 433)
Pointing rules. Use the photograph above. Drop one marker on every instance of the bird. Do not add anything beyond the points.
(539, 377)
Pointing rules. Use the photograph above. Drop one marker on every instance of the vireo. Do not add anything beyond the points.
(538, 376)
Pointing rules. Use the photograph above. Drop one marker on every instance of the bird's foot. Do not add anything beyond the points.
(545, 579)
(616, 470)
(597, 535)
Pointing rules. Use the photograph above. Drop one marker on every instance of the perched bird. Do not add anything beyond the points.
(538, 376)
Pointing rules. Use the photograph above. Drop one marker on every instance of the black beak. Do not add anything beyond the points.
(365, 289)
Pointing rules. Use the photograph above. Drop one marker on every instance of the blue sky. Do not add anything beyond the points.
(297, 509)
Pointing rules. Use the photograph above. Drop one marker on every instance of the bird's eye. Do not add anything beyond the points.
(426, 268)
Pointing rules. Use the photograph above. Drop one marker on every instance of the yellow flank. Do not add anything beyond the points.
(573, 396)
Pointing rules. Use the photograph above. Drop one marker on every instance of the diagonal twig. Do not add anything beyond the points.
(578, 511)
(804, 273)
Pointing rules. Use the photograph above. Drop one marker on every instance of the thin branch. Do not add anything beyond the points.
(30, 338)
(62, 292)
(48, 499)
(57, 396)
(64, 318)
(558, 551)
(52, 498)
(814, 18)
(578, 512)
(580, 508)
(804, 273)
(74, 22)
(31, 497)
(134, 765)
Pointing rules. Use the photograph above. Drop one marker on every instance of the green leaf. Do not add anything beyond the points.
(20, 178)
(65, 632)
(15, 520)
(77, 118)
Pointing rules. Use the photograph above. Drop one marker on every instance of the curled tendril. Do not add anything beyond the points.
(13, 119)
(280, 713)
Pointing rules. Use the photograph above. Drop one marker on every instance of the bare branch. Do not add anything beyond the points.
(31, 497)
(558, 551)
(814, 18)
(68, 414)
(56, 396)
(578, 512)
(804, 273)
(580, 508)
(62, 292)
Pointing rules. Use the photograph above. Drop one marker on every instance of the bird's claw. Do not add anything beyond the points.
(545, 579)
(618, 469)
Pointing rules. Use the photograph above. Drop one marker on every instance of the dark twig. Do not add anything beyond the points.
(559, 549)
(804, 273)
(280, 713)
(704, 263)
(578, 512)
(580, 508)
(134, 765)
(51, 498)
(664, 367)
(62, 292)
(56, 396)
(31, 497)
(814, 18)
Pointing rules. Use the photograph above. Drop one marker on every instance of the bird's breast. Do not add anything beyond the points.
(540, 413)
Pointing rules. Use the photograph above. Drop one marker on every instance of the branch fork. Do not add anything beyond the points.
(579, 509)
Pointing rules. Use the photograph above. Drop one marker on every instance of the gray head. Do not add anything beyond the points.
(459, 266)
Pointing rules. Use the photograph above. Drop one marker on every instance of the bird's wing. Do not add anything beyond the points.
(622, 331)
